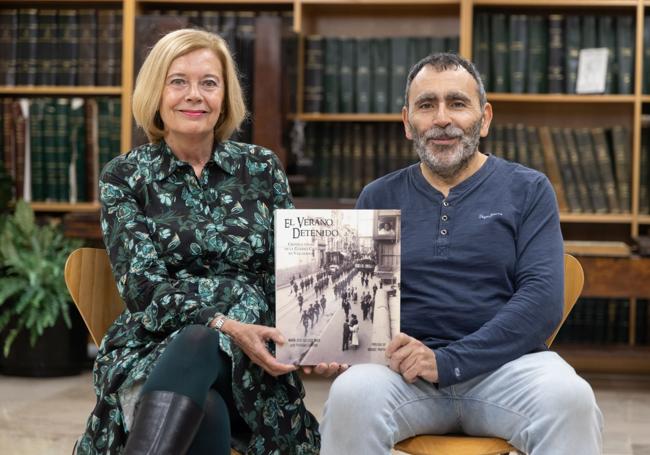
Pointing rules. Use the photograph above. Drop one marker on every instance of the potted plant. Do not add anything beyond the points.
(34, 300)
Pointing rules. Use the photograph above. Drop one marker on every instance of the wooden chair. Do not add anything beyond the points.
(464, 445)
(90, 282)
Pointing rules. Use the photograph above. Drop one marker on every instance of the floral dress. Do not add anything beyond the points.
(183, 248)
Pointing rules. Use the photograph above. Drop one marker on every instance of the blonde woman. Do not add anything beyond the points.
(187, 223)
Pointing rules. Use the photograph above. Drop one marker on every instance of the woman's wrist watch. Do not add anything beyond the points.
(217, 321)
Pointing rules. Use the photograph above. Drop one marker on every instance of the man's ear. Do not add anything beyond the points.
(487, 119)
(407, 125)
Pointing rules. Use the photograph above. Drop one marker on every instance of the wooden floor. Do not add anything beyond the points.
(45, 416)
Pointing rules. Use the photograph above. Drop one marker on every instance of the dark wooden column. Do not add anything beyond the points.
(267, 95)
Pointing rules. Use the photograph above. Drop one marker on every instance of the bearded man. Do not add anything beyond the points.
(482, 289)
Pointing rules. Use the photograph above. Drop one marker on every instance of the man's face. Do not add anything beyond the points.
(444, 119)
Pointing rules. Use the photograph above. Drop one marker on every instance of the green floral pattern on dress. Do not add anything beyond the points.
(182, 248)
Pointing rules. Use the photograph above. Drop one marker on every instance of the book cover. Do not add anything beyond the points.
(337, 284)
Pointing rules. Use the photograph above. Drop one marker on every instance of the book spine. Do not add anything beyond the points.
(19, 141)
(500, 64)
(26, 46)
(47, 47)
(63, 153)
(49, 132)
(556, 53)
(518, 52)
(568, 179)
(379, 49)
(8, 43)
(77, 168)
(331, 74)
(607, 38)
(572, 54)
(68, 47)
(363, 79)
(605, 167)
(577, 168)
(621, 142)
(537, 55)
(91, 149)
(36, 156)
(87, 47)
(313, 91)
(347, 74)
(398, 72)
(590, 170)
(625, 36)
(481, 47)
(552, 167)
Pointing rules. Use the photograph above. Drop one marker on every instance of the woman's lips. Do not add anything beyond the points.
(193, 114)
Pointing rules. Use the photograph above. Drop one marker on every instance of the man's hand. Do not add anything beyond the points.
(326, 369)
(251, 339)
(412, 359)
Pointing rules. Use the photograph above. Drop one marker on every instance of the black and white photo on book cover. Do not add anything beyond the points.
(337, 288)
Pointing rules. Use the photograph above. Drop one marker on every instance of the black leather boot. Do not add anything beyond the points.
(165, 424)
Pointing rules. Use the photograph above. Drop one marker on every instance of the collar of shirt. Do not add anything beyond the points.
(222, 156)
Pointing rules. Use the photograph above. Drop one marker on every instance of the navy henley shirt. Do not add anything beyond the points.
(482, 270)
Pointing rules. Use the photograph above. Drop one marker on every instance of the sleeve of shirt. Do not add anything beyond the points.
(535, 308)
(161, 303)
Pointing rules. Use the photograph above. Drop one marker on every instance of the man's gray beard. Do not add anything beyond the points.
(447, 169)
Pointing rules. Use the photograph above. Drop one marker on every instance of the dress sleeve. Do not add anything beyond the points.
(159, 302)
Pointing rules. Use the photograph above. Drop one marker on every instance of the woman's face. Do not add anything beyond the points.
(193, 95)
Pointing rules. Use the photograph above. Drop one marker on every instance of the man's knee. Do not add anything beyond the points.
(570, 397)
(361, 390)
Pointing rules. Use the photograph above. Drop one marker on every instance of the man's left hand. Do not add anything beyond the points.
(412, 359)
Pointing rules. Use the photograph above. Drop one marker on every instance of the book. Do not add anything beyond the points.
(48, 57)
(337, 284)
(481, 47)
(332, 64)
(8, 42)
(572, 53)
(313, 91)
(87, 47)
(363, 80)
(67, 47)
(625, 35)
(537, 54)
(518, 46)
(556, 51)
(500, 67)
(26, 46)
(398, 72)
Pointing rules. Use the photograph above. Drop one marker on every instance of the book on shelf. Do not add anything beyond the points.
(553, 167)
(363, 89)
(337, 284)
(67, 48)
(8, 40)
(51, 146)
(313, 91)
(518, 52)
(26, 46)
(87, 47)
(47, 47)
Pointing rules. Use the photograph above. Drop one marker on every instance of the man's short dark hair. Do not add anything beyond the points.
(443, 61)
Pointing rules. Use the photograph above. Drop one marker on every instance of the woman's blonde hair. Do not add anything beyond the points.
(151, 81)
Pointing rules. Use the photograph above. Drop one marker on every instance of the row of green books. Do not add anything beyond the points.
(54, 148)
(599, 321)
(339, 158)
(534, 53)
(48, 46)
(363, 75)
(588, 167)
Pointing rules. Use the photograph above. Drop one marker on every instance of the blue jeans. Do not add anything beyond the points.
(537, 403)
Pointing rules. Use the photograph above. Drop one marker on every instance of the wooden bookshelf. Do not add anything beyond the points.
(367, 18)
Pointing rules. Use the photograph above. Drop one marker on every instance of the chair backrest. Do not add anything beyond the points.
(92, 287)
(574, 280)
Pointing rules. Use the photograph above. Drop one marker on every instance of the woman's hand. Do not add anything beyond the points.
(252, 340)
(326, 369)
